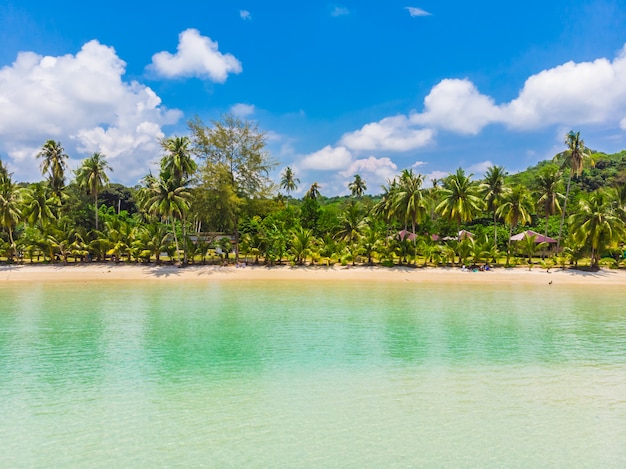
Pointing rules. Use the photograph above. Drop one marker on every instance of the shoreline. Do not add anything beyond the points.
(167, 273)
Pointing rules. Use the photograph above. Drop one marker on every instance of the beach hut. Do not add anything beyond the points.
(406, 234)
(530, 233)
(539, 238)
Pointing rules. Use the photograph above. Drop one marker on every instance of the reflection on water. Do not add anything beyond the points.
(311, 374)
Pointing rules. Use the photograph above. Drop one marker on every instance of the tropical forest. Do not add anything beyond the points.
(212, 200)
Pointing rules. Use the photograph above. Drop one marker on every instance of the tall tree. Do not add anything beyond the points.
(177, 159)
(548, 182)
(515, 209)
(573, 158)
(54, 165)
(461, 201)
(358, 186)
(234, 151)
(493, 190)
(167, 198)
(10, 195)
(408, 199)
(289, 181)
(179, 164)
(92, 177)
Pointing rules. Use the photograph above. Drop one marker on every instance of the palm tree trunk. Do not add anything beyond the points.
(236, 233)
(184, 225)
(558, 241)
(96, 203)
(508, 249)
(12, 242)
(495, 230)
(175, 239)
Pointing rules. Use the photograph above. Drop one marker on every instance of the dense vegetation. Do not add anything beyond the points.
(213, 201)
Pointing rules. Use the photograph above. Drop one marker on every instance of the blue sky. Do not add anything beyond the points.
(340, 88)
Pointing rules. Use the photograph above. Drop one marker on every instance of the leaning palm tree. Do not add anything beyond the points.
(54, 165)
(596, 224)
(515, 209)
(289, 181)
(357, 187)
(92, 177)
(573, 158)
(461, 198)
(493, 189)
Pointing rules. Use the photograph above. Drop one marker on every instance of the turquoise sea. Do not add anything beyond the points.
(311, 374)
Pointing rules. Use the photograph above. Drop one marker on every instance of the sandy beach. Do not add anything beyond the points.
(125, 272)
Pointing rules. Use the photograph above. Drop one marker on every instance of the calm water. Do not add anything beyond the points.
(296, 374)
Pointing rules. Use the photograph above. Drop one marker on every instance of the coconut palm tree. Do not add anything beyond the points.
(289, 181)
(596, 224)
(370, 242)
(493, 190)
(384, 209)
(408, 199)
(39, 205)
(92, 177)
(313, 192)
(573, 158)
(358, 186)
(166, 198)
(177, 159)
(530, 246)
(301, 244)
(548, 183)
(461, 198)
(10, 203)
(515, 209)
(54, 165)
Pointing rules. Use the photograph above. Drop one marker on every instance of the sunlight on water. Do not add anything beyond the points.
(297, 374)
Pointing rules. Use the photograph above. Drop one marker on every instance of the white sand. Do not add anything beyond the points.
(127, 272)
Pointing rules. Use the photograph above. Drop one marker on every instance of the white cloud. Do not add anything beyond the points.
(245, 15)
(374, 171)
(242, 110)
(417, 164)
(478, 169)
(382, 167)
(438, 175)
(328, 158)
(390, 134)
(456, 105)
(413, 11)
(339, 11)
(569, 94)
(48, 97)
(572, 94)
(622, 124)
(196, 56)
